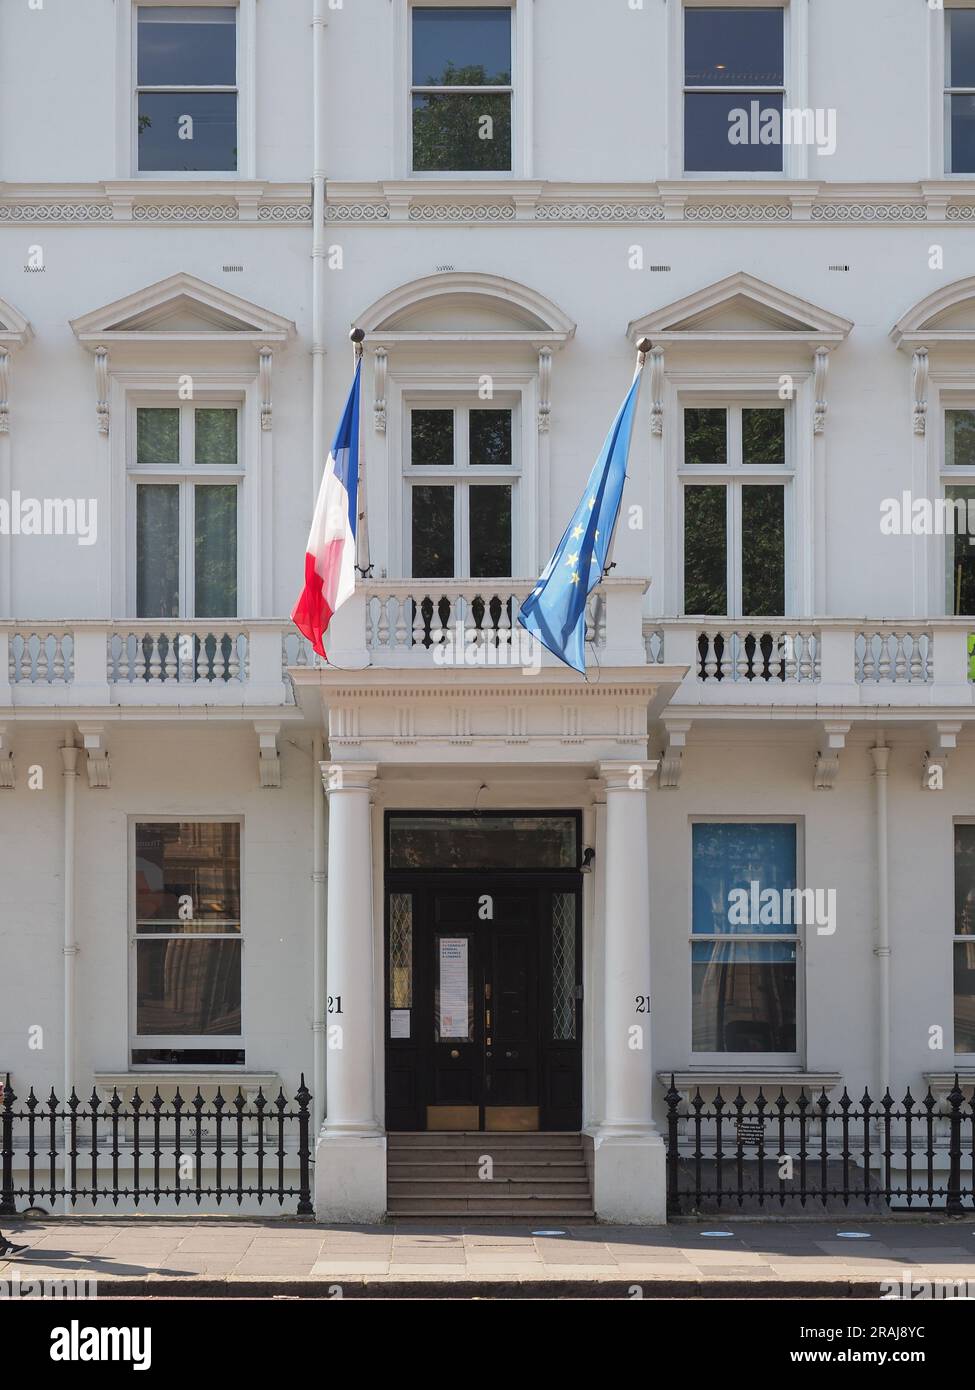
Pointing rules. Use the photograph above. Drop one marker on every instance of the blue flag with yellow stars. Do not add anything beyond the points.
(555, 610)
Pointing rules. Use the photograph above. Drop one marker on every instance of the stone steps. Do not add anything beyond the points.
(533, 1176)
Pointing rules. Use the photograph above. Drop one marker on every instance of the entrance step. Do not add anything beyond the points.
(534, 1175)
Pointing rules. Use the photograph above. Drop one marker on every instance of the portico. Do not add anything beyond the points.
(525, 749)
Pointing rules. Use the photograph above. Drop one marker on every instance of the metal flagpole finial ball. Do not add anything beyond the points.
(644, 346)
(356, 338)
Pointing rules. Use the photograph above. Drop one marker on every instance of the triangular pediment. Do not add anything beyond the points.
(182, 307)
(14, 328)
(740, 308)
(946, 316)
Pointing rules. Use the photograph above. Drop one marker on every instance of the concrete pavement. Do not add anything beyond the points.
(227, 1257)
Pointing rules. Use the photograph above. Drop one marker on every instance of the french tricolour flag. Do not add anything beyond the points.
(330, 553)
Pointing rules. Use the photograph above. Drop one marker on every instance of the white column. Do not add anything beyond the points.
(630, 1165)
(350, 1172)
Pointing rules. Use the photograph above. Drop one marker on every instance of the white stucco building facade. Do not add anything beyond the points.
(779, 686)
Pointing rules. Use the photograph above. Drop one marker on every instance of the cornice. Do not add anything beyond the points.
(152, 202)
(726, 203)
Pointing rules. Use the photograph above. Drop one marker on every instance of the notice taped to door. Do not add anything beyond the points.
(454, 1009)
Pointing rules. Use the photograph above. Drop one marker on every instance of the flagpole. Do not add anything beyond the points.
(642, 352)
(357, 337)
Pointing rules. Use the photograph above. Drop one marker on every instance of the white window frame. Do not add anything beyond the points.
(962, 1058)
(187, 475)
(522, 137)
(733, 475)
(940, 91)
(946, 477)
(462, 475)
(188, 1042)
(127, 92)
(795, 158)
(738, 1061)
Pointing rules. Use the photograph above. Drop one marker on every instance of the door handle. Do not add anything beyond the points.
(454, 1053)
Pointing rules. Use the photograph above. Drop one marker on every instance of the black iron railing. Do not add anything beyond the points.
(144, 1151)
(762, 1154)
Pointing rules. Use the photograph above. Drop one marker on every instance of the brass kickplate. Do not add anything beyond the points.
(453, 1117)
(511, 1119)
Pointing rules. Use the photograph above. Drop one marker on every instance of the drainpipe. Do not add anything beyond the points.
(69, 761)
(318, 251)
(881, 756)
(319, 1022)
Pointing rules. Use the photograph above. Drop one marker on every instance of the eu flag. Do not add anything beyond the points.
(555, 610)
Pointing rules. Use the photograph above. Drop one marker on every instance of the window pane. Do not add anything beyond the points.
(207, 120)
(964, 959)
(187, 987)
(960, 554)
(705, 436)
(961, 116)
(215, 551)
(763, 552)
(187, 46)
(739, 47)
(157, 550)
(763, 436)
(401, 950)
(462, 133)
(491, 438)
(723, 132)
(483, 842)
(157, 436)
(563, 967)
(743, 997)
(432, 438)
(188, 869)
(960, 435)
(490, 521)
(965, 880)
(216, 436)
(730, 856)
(961, 48)
(461, 46)
(433, 532)
(705, 551)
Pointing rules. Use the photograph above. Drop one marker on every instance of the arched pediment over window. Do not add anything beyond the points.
(944, 317)
(458, 306)
(458, 309)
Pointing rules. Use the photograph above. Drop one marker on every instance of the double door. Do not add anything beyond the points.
(484, 1006)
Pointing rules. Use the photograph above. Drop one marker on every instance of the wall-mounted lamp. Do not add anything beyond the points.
(588, 855)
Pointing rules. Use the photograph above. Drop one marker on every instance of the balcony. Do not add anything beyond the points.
(414, 626)
(823, 662)
(138, 662)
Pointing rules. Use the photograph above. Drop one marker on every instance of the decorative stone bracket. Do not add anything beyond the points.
(828, 758)
(544, 389)
(942, 740)
(672, 757)
(4, 391)
(920, 390)
(7, 771)
(820, 373)
(379, 390)
(269, 760)
(265, 358)
(656, 390)
(102, 409)
(98, 767)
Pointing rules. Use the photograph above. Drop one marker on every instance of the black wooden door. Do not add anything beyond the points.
(483, 1006)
